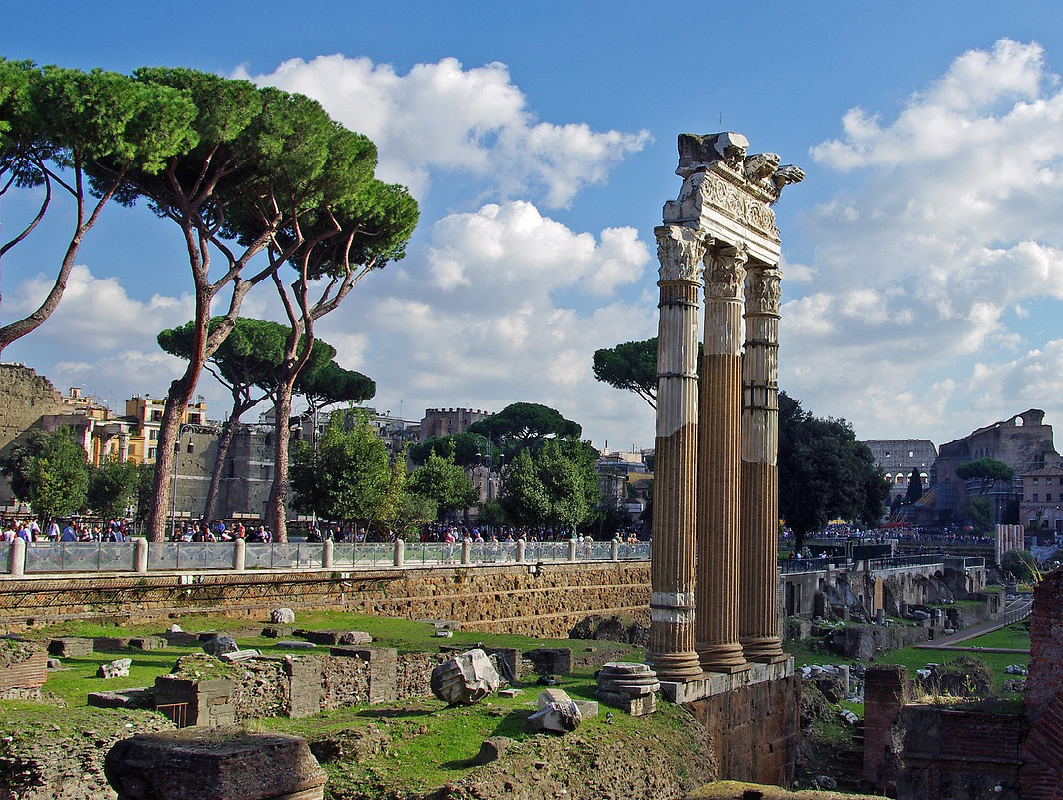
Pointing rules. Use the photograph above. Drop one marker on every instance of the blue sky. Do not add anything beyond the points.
(923, 253)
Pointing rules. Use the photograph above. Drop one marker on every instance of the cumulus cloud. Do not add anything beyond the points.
(443, 117)
(945, 237)
(97, 313)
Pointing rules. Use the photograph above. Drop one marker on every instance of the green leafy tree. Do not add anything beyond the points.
(145, 486)
(1020, 563)
(915, 487)
(824, 472)
(50, 471)
(346, 478)
(556, 485)
(632, 367)
(113, 487)
(444, 482)
(54, 125)
(519, 426)
(979, 511)
(986, 470)
(468, 449)
(265, 165)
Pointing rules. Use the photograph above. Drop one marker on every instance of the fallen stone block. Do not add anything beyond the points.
(239, 655)
(557, 713)
(355, 637)
(116, 669)
(141, 697)
(54, 663)
(465, 679)
(551, 660)
(180, 638)
(282, 616)
(70, 647)
(588, 709)
(492, 749)
(277, 631)
(101, 644)
(636, 706)
(510, 692)
(327, 638)
(197, 764)
(147, 643)
(220, 645)
(295, 643)
(444, 634)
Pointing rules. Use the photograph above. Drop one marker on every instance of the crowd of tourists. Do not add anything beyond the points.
(70, 530)
(202, 531)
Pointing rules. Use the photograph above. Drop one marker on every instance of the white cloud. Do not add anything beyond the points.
(928, 264)
(442, 117)
(97, 313)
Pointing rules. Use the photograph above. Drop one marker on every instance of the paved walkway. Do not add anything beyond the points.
(1014, 611)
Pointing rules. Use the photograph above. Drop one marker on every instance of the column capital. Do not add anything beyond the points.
(680, 250)
(764, 291)
(725, 272)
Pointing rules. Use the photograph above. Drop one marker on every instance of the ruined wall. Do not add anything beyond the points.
(548, 602)
(1042, 772)
(884, 691)
(754, 730)
(25, 397)
(958, 755)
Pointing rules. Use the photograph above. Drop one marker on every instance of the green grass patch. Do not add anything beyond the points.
(1013, 637)
(914, 659)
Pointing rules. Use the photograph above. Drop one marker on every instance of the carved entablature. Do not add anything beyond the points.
(764, 291)
(680, 250)
(725, 272)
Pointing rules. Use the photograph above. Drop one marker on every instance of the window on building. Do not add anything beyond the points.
(1035, 481)
(156, 415)
(911, 454)
(1035, 497)
(153, 435)
(1048, 498)
(151, 452)
(1048, 481)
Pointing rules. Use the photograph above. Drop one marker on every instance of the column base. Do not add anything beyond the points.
(763, 649)
(727, 658)
(676, 667)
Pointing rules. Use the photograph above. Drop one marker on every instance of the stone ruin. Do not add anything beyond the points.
(716, 492)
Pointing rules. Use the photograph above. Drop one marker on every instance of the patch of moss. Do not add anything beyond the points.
(198, 667)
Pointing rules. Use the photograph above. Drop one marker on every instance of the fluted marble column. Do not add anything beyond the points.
(759, 613)
(672, 572)
(719, 464)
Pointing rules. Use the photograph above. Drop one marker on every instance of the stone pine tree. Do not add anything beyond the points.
(54, 125)
(340, 245)
(264, 162)
(631, 366)
(915, 487)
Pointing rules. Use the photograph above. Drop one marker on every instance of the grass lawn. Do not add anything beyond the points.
(915, 659)
(1013, 637)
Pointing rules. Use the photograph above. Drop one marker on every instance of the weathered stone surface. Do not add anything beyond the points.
(551, 660)
(70, 647)
(493, 748)
(54, 663)
(355, 637)
(282, 616)
(239, 655)
(635, 705)
(627, 679)
(142, 697)
(557, 713)
(103, 644)
(118, 668)
(192, 765)
(465, 679)
(147, 643)
(219, 645)
(328, 637)
(295, 643)
(277, 631)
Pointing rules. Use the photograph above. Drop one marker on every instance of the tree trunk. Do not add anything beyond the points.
(277, 506)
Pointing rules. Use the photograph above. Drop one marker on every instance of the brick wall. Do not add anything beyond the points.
(1042, 772)
(755, 730)
(884, 690)
(507, 598)
(959, 755)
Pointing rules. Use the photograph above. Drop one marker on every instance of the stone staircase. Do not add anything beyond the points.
(850, 762)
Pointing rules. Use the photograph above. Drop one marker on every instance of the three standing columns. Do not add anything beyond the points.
(671, 648)
(759, 613)
(719, 477)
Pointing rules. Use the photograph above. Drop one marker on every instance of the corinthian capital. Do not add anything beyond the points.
(764, 291)
(725, 270)
(680, 250)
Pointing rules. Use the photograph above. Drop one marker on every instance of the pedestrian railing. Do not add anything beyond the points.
(140, 555)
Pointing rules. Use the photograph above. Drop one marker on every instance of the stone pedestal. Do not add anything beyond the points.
(672, 577)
